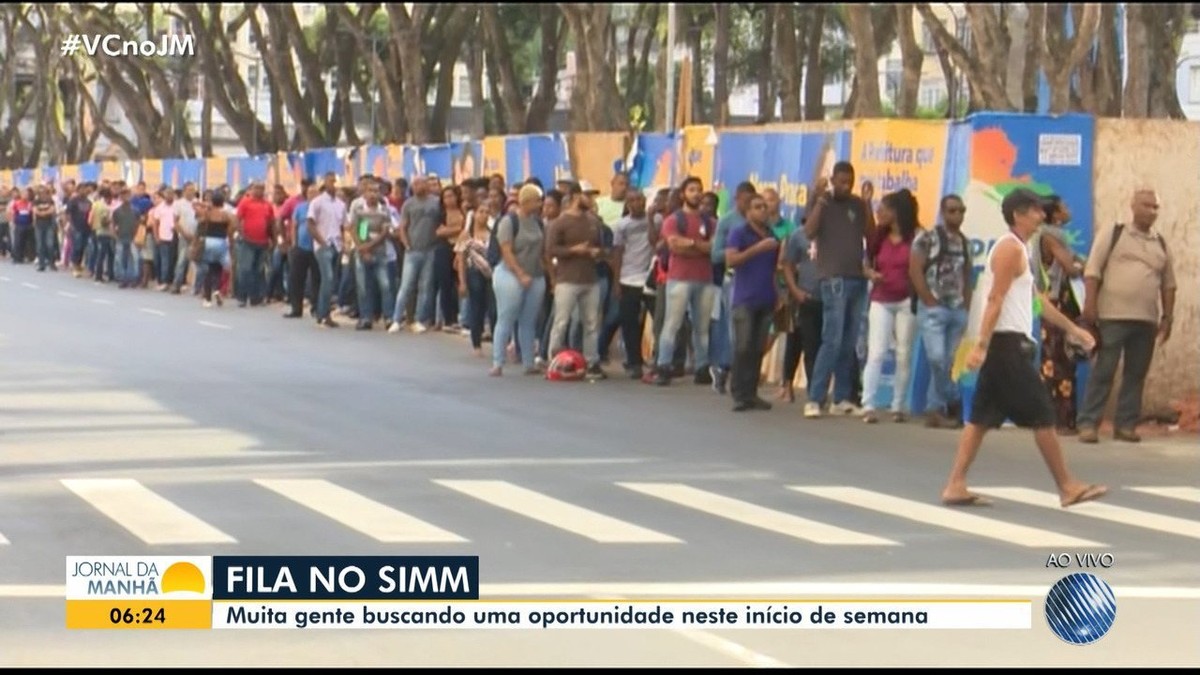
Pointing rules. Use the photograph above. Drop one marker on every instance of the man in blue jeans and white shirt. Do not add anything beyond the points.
(838, 221)
(940, 271)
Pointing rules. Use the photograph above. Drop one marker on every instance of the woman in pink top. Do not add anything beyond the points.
(890, 315)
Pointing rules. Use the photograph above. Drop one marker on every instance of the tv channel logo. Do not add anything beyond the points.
(1080, 608)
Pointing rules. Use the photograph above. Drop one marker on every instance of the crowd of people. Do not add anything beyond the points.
(550, 275)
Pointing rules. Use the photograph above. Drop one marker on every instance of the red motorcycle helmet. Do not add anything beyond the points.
(567, 366)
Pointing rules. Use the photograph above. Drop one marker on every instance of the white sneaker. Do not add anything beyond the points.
(847, 408)
(812, 410)
(206, 304)
(395, 327)
(419, 328)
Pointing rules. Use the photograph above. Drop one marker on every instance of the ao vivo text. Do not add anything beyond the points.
(1081, 560)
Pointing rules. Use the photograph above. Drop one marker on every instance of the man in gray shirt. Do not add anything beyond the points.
(419, 220)
(838, 221)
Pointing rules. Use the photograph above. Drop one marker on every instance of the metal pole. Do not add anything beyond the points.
(1124, 50)
(670, 118)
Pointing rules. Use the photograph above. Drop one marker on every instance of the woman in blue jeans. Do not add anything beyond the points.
(519, 281)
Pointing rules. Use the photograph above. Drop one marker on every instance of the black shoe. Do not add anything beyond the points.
(760, 404)
(326, 323)
(662, 379)
(362, 325)
(720, 379)
(743, 406)
(596, 373)
(293, 315)
(241, 303)
(634, 373)
(703, 377)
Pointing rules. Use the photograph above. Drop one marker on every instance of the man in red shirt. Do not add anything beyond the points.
(689, 287)
(255, 224)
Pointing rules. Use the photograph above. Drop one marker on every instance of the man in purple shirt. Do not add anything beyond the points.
(753, 251)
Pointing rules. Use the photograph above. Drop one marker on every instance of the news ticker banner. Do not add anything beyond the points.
(441, 593)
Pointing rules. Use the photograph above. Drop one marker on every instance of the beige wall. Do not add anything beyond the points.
(1165, 155)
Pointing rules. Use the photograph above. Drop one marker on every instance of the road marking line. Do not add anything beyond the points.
(3, 541)
(155, 312)
(1187, 494)
(146, 514)
(26, 284)
(560, 514)
(948, 518)
(792, 591)
(757, 516)
(1100, 511)
(376, 520)
(67, 295)
(214, 325)
(5, 279)
(102, 301)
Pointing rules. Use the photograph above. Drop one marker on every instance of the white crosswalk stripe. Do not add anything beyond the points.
(941, 516)
(756, 516)
(146, 514)
(1100, 511)
(378, 521)
(1187, 494)
(555, 512)
(157, 520)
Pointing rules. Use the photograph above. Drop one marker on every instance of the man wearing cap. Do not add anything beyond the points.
(1009, 385)
(574, 240)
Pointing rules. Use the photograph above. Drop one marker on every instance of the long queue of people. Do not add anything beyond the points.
(551, 275)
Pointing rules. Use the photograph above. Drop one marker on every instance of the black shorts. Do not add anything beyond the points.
(1010, 387)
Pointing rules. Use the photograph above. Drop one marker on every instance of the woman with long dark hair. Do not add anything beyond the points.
(890, 314)
(214, 224)
(475, 275)
(445, 281)
(1054, 265)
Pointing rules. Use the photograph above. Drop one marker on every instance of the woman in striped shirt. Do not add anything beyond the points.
(475, 274)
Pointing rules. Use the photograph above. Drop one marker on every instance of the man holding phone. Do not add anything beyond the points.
(838, 221)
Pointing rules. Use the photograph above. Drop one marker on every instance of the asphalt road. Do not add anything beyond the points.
(247, 434)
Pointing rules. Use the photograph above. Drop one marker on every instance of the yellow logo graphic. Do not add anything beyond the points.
(183, 576)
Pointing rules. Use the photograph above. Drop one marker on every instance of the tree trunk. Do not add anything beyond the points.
(1136, 97)
(1166, 26)
(206, 140)
(406, 31)
(721, 64)
(1035, 45)
(912, 59)
(790, 70)
(506, 76)
(766, 67)
(644, 72)
(475, 79)
(985, 67)
(1061, 56)
(866, 63)
(696, 47)
(814, 80)
(545, 98)
(1108, 66)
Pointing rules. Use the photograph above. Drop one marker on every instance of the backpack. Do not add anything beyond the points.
(1117, 230)
(708, 230)
(494, 256)
(943, 246)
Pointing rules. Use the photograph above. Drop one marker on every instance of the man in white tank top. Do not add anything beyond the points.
(1009, 385)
